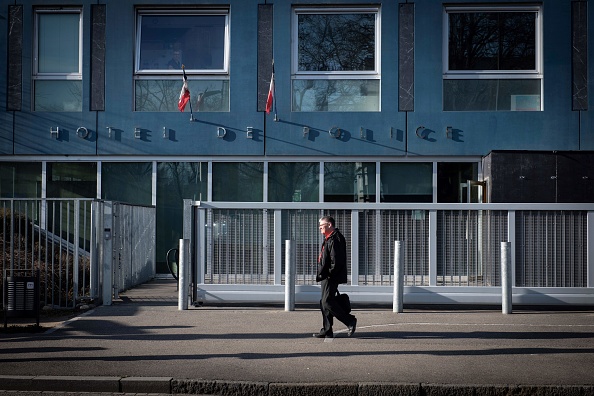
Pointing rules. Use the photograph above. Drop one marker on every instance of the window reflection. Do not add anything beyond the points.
(336, 95)
(336, 65)
(492, 41)
(237, 181)
(163, 95)
(20, 180)
(336, 42)
(406, 182)
(168, 41)
(492, 95)
(127, 182)
(71, 179)
(493, 58)
(349, 182)
(293, 182)
(63, 96)
(176, 181)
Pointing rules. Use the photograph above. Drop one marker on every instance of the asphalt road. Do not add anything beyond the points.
(145, 335)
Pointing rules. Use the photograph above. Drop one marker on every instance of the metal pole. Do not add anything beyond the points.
(506, 284)
(398, 278)
(184, 261)
(289, 276)
(107, 281)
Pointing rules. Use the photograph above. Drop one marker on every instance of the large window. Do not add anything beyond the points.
(176, 181)
(57, 66)
(349, 182)
(196, 39)
(71, 180)
(238, 181)
(336, 59)
(293, 181)
(406, 182)
(128, 182)
(492, 58)
(20, 180)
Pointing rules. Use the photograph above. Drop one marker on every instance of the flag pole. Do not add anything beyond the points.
(191, 113)
(274, 98)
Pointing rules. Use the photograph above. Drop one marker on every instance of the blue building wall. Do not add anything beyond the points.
(386, 133)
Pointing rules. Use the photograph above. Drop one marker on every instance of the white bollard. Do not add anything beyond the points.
(506, 283)
(289, 276)
(398, 278)
(183, 266)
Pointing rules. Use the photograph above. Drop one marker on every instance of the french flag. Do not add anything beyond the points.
(270, 97)
(184, 95)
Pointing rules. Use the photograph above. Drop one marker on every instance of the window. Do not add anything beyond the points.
(176, 181)
(196, 39)
(20, 179)
(129, 182)
(349, 182)
(71, 180)
(57, 67)
(293, 181)
(452, 181)
(336, 59)
(406, 182)
(492, 58)
(238, 181)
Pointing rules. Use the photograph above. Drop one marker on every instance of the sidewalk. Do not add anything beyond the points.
(144, 344)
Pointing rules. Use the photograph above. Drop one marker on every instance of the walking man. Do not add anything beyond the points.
(332, 271)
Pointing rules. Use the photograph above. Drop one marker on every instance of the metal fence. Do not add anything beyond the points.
(451, 252)
(53, 236)
(65, 240)
(134, 231)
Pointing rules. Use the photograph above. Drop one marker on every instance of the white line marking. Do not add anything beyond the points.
(63, 324)
(471, 324)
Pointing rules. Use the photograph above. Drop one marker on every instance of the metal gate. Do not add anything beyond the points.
(451, 252)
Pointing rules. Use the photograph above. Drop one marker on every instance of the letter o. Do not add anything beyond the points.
(85, 132)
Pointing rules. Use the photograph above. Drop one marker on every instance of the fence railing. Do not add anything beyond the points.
(451, 252)
(53, 236)
(65, 240)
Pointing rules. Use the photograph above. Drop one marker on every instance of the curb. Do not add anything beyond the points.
(168, 385)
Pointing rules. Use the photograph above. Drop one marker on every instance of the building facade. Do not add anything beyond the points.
(373, 102)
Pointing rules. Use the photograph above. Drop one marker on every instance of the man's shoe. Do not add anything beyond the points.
(323, 334)
(352, 327)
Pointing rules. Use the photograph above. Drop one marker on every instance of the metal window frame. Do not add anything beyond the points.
(57, 76)
(537, 73)
(36, 75)
(174, 74)
(334, 75)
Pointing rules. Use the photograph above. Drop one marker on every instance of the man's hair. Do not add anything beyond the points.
(328, 219)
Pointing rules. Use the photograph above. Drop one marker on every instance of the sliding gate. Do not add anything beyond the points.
(451, 252)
